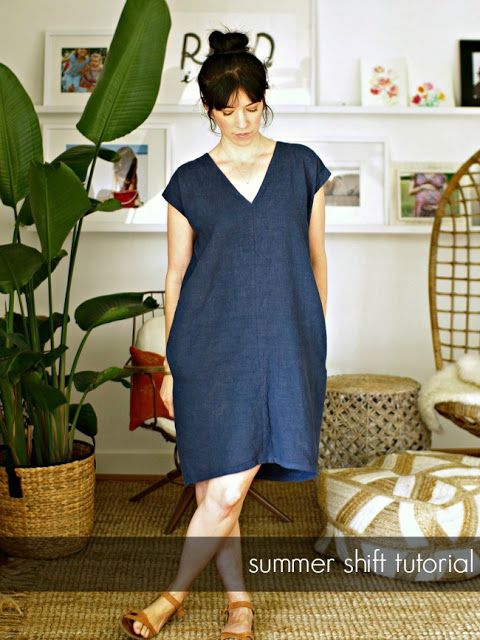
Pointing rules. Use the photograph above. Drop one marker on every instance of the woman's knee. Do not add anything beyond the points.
(227, 493)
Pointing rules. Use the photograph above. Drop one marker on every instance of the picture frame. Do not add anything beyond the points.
(384, 82)
(281, 34)
(470, 72)
(356, 192)
(68, 78)
(418, 187)
(150, 148)
(430, 84)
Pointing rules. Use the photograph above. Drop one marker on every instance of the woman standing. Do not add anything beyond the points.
(246, 292)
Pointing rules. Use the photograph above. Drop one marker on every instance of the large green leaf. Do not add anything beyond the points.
(18, 264)
(127, 89)
(58, 200)
(113, 307)
(20, 138)
(43, 323)
(90, 380)
(87, 419)
(7, 358)
(43, 395)
(15, 339)
(112, 204)
(79, 157)
(42, 273)
(49, 357)
(23, 361)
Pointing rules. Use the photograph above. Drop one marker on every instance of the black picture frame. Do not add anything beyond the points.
(470, 89)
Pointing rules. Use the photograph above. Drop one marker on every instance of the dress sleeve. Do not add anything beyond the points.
(173, 193)
(318, 176)
(322, 173)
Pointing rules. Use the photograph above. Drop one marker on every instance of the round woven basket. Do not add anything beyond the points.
(366, 415)
(47, 512)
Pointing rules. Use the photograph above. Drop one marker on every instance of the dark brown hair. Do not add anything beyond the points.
(229, 67)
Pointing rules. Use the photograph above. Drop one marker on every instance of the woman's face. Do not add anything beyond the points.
(240, 120)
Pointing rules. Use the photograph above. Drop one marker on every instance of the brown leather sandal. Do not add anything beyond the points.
(243, 635)
(129, 617)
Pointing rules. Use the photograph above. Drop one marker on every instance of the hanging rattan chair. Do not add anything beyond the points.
(454, 281)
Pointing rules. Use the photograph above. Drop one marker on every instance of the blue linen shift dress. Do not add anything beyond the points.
(247, 346)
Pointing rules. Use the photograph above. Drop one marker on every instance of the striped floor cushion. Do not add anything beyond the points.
(418, 510)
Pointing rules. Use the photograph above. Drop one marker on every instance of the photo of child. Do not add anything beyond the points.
(125, 179)
(81, 69)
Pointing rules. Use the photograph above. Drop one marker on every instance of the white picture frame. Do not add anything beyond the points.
(151, 140)
(366, 157)
(408, 210)
(430, 84)
(56, 44)
(384, 82)
(289, 24)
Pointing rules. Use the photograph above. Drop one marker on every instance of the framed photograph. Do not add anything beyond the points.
(470, 72)
(384, 82)
(136, 179)
(73, 64)
(355, 193)
(281, 34)
(418, 189)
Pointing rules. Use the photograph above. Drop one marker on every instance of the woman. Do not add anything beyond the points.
(246, 284)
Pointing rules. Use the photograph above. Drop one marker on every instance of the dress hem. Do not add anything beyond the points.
(289, 466)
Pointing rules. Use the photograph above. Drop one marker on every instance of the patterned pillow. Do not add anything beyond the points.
(142, 393)
(420, 509)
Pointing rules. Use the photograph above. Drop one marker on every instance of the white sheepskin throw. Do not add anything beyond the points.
(151, 335)
(457, 382)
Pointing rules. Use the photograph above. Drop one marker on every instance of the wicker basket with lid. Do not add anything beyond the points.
(366, 415)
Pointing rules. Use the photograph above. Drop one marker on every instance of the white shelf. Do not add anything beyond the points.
(420, 229)
(294, 109)
(398, 229)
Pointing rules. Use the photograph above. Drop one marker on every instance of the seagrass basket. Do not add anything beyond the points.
(48, 512)
(367, 415)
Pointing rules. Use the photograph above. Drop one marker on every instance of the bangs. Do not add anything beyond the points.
(228, 88)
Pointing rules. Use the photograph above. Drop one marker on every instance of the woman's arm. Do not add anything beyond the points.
(180, 238)
(318, 256)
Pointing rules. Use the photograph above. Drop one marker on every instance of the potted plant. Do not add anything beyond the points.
(46, 476)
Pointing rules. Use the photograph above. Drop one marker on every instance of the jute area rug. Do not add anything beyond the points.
(367, 607)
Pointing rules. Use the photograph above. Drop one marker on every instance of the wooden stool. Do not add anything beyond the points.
(367, 415)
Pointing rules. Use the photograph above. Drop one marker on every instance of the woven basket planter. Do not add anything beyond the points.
(367, 415)
(47, 512)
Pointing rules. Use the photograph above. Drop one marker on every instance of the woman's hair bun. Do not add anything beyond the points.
(232, 41)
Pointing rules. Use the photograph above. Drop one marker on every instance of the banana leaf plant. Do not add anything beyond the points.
(38, 417)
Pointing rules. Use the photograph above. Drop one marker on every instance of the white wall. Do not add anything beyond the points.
(377, 317)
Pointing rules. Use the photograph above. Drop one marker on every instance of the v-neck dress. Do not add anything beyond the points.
(247, 346)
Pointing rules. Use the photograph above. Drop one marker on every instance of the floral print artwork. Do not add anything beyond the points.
(427, 95)
(384, 83)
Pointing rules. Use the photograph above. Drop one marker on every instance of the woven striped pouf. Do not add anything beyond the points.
(418, 510)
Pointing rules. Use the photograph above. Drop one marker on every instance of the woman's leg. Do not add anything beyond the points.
(228, 560)
(214, 518)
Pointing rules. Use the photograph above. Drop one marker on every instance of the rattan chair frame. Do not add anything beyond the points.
(454, 281)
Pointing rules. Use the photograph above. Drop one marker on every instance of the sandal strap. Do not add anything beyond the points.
(239, 603)
(179, 610)
(140, 616)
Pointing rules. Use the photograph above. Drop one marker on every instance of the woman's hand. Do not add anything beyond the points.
(166, 393)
